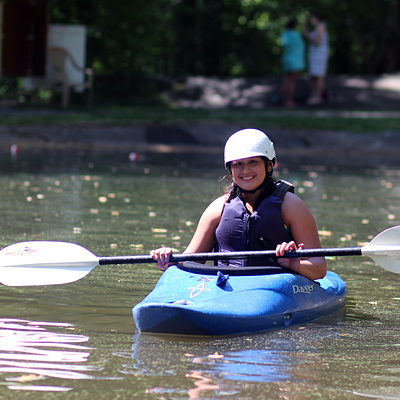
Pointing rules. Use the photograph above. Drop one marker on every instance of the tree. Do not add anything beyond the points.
(128, 41)
(131, 42)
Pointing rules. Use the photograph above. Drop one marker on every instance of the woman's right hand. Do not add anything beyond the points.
(292, 263)
(162, 256)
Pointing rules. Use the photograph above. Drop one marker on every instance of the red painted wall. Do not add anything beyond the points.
(25, 24)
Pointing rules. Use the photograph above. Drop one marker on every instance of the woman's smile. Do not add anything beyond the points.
(247, 178)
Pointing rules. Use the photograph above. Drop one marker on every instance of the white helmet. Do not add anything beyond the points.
(249, 143)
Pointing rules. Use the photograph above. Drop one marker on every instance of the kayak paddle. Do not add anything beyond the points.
(51, 263)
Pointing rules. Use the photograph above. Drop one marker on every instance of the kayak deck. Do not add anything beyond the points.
(189, 303)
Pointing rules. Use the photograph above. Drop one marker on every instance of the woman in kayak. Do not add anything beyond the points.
(257, 213)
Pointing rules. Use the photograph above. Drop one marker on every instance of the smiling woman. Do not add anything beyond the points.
(256, 212)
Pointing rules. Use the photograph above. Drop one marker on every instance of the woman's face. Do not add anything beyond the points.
(313, 20)
(249, 173)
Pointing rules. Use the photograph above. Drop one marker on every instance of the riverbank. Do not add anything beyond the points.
(343, 148)
(209, 111)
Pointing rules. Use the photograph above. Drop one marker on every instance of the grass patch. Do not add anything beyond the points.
(322, 120)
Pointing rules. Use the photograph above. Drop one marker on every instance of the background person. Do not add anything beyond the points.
(292, 61)
(256, 213)
(318, 53)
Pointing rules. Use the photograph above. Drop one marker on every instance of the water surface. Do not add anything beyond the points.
(78, 340)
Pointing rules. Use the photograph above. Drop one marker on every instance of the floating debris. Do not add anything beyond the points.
(215, 355)
(137, 246)
(14, 150)
(325, 233)
(159, 230)
(134, 157)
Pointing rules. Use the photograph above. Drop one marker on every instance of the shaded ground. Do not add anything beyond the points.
(342, 92)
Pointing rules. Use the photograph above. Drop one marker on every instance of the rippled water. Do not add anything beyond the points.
(78, 340)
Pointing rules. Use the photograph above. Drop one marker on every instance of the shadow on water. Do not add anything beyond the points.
(50, 161)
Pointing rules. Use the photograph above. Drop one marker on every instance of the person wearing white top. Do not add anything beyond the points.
(318, 53)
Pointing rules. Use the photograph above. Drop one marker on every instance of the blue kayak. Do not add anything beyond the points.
(204, 303)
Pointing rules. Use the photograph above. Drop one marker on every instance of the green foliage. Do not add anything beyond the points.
(132, 43)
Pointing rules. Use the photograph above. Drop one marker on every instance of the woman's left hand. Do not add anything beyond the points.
(289, 262)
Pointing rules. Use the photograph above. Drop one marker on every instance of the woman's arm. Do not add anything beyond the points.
(320, 32)
(203, 238)
(303, 228)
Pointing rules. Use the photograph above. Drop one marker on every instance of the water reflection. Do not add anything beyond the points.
(202, 383)
(224, 365)
(33, 351)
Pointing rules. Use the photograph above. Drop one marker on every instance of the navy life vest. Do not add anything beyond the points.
(264, 229)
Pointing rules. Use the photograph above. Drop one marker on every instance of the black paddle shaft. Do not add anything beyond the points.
(342, 251)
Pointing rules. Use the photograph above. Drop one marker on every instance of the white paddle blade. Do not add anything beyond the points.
(384, 249)
(44, 263)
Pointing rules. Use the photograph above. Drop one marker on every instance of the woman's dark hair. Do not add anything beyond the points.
(317, 14)
(292, 23)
